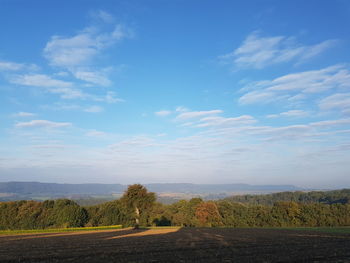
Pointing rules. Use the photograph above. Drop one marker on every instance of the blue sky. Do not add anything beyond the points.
(131, 91)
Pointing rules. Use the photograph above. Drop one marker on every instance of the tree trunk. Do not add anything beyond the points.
(137, 221)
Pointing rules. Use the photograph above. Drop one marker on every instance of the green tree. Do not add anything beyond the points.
(138, 200)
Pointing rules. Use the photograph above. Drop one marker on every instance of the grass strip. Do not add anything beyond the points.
(341, 230)
(55, 230)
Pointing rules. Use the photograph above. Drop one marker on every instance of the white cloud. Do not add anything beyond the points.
(290, 113)
(94, 109)
(181, 109)
(23, 114)
(210, 119)
(58, 106)
(218, 121)
(56, 86)
(259, 52)
(12, 66)
(329, 123)
(338, 101)
(95, 77)
(40, 80)
(297, 85)
(197, 114)
(64, 88)
(163, 113)
(42, 124)
(110, 97)
(81, 49)
(262, 96)
(79, 52)
(103, 16)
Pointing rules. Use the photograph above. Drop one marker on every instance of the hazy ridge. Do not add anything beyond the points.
(37, 190)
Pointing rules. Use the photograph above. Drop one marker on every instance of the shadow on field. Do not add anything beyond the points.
(178, 244)
(98, 234)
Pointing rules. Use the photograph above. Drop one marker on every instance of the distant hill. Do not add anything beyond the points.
(216, 188)
(36, 190)
(58, 189)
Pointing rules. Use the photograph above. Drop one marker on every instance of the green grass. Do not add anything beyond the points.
(341, 230)
(57, 230)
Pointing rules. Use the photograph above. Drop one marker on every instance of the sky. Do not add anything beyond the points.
(164, 91)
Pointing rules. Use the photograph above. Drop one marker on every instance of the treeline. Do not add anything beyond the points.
(323, 197)
(39, 215)
(192, 213)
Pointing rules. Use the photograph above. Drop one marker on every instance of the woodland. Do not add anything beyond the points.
(139, 207)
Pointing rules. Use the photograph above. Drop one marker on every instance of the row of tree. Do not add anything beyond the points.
(38, 215)
(324, 197)
(138, 207)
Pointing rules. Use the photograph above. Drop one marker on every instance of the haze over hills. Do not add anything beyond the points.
(37, 190)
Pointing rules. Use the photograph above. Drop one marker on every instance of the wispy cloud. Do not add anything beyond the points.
(42, 124)
(258, 52)
(103, 16)
(94, 109)
(162, 113)
(12, 66)
(290, 113)
(23, 114)
(196, 114)
(211, 119)
(218, 121)
(78, 53)
(296, 86)
(58, 106)
(64, 88)
(330, 123)
(338, 101)
(99, 78)
(109, 97)
(40, 80)
(81, 49)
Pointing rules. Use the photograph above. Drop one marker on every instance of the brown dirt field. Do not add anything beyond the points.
(177, 245)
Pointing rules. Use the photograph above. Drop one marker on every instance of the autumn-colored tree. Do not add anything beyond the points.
(207, 214)
(138, 199)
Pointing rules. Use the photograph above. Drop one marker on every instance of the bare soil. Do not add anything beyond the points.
(178, 245)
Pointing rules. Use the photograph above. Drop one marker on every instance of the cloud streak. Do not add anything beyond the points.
(162, 113)
(196, 114)
(290, 113)
(13, 66)
(296, 86)
(82, 48)
(42, 124)
(259, 52)
(23, 114)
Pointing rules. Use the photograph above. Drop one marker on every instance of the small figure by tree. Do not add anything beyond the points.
(138, 199)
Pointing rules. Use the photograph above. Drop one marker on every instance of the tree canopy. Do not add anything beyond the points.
(138, 199)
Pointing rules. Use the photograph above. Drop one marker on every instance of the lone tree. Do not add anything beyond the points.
(138, 199)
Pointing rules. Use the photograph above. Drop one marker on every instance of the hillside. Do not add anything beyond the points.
(40, 191)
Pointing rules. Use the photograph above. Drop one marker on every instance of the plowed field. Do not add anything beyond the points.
(177, 245)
